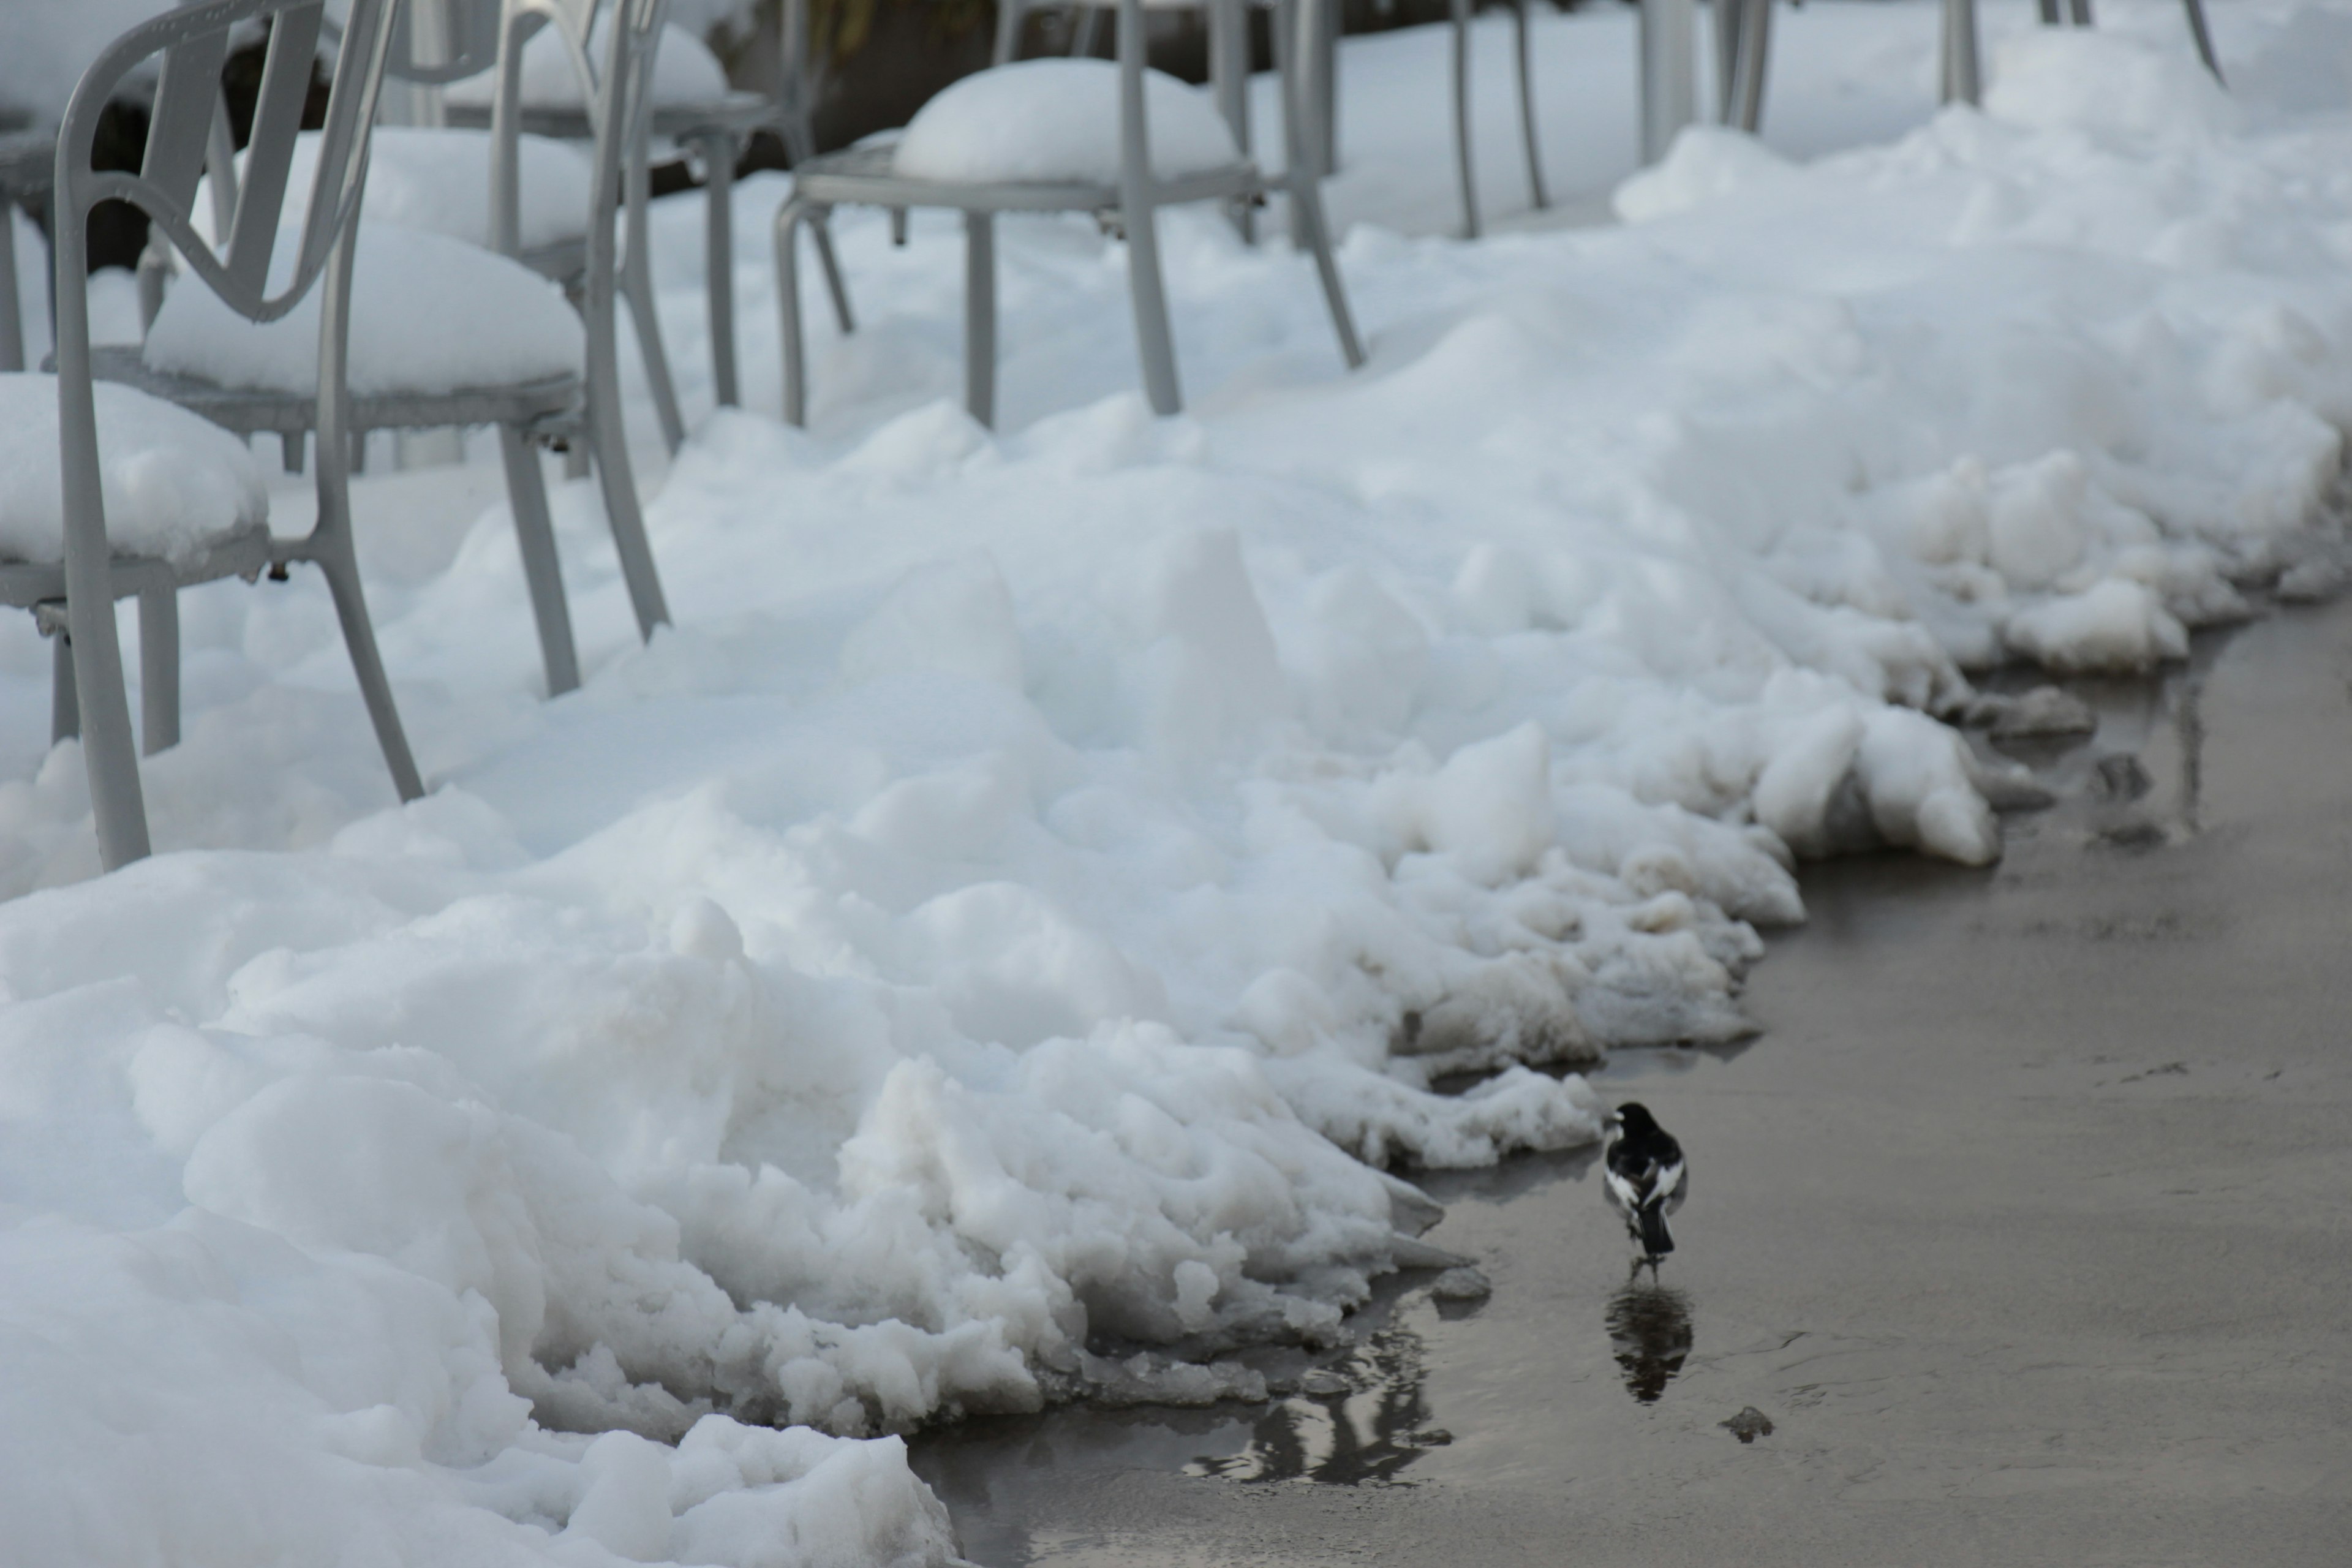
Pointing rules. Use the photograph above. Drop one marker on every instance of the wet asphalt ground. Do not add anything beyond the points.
(2026, 1223)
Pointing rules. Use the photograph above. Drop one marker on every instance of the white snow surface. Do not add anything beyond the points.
(685, 71)
(439, 180)
(170, 482)
(1055, 120)
(985, 937)
(429, 314)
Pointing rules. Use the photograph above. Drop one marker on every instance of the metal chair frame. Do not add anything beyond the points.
(583, 408)
(865, 176)
(78, 599)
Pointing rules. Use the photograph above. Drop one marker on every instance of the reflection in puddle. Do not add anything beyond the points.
(1650, 1330)
(1359, 1424)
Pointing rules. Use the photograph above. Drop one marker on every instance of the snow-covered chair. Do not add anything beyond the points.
(145, 497)
(1116, 139)
(690, 105)
(442, 333)
(1229, 78)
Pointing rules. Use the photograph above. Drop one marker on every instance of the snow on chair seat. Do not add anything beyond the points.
(429, 315)
(1056, 120)
(439, 181)
(685, 71)
(174, 485)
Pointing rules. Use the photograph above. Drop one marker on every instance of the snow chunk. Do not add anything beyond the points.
(1058, 120)
(2114, 624)
(1705, 163)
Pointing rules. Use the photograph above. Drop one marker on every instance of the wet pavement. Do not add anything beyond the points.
(2026, 1225)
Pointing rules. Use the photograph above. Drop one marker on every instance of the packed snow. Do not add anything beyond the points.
(1015, 936)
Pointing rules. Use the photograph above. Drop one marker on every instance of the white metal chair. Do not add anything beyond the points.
(1114, 174)
(109, 436)
(533, 369)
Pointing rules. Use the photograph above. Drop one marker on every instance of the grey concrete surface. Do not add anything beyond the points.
(2027, 1222)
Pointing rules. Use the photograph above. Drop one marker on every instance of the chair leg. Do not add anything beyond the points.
(2081, 10)
(159, 670)
(1962, 79)
(618, 483)
(821, 230)
(789, 219)
(718, 153)
(1727, 15)
(1010, 14)
(1229, 76)
(342, 570)
(541, 570)
(1310, 229)
(1307, 218)
(1528, 105)
(1462, 150)
(1746, 105)
(117, 800)
(1149, 294)
(12, 311)
(637, 286)
(65, 702)
(980, 316)
(2049, 10)
(2204, 38)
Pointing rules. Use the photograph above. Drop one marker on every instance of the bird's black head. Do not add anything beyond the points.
(1634, 1117)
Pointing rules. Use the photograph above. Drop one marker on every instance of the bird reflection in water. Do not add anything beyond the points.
(1362, 1433)
(1650, 1330)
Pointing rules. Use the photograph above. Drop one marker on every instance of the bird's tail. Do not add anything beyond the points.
(1656, 1240)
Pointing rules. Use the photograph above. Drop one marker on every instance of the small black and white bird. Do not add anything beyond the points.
(1644, 1176)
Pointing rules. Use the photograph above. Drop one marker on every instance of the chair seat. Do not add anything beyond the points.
(685, 71)
(1056, 120)
(739, 113)
(177, 489)
(430, 315)
(439, 181)
(551, 405)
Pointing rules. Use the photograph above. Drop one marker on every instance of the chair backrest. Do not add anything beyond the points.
(618, 95)
(194, 42)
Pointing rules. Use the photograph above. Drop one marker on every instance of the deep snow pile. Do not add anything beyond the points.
(982, 938)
